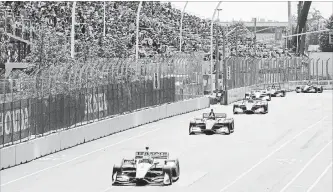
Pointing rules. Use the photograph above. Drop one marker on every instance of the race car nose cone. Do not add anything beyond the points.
(249, 106)
(142, 170)
(210, 124)
(140, 174)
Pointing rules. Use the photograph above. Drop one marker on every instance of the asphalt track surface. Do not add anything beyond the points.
(287, 150)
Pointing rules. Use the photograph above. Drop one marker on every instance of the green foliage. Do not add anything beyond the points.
(323, 38)
(49, 49)
(314, 21)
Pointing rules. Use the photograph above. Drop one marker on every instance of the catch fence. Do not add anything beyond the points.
(66, 96)
(243, 72)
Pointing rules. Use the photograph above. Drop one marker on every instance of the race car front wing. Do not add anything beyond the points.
(249, 110)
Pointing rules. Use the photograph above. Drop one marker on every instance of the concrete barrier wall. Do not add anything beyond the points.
(33, 149)
(239, 93)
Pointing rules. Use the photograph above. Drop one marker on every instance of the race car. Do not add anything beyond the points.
(309, 89)
(259, 94)
(251, 106)
(276, 91)
(219, 124)
(147, 168)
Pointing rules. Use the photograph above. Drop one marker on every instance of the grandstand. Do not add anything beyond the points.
(30, 29)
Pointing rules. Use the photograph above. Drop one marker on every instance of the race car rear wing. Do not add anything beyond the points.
(217, 115)
(155, 155)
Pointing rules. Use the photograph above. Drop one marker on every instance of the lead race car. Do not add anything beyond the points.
(219, 124)
(251, 106)
(309, 88)
(259, 94)
(276, 91)
(147, 168)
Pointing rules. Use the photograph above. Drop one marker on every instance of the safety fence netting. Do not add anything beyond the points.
(243, 72)
(65, 96)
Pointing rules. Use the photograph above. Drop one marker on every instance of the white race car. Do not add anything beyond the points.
(259, 94)
(276, 91)
(219, 124)
(146, 168)
(251, 106)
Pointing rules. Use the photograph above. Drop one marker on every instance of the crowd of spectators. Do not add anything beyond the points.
(158, 29)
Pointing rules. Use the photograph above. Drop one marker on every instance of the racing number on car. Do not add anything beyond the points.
(156, 81)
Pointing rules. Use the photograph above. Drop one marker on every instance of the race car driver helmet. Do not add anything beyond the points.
(251, 100)
(146, 158)
(211, 114)
(309, 83)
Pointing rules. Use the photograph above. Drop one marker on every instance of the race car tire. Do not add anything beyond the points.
(321, 89)
(234, 110)
(167, 172)
(283, 94)
(266, 109)
(232, 127)
(228, 133)
(176, 171)
(316, 90)
(229, 129)
(115, 172)
(189, 131)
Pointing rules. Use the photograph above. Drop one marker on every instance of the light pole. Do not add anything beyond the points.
(255, 36)
(211, 46)
(137, 35)
(104, 19)
(181, 28)
(225, 87)
(72, 30)
(217, 57)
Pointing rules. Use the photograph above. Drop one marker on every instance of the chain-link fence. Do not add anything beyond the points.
(66, 96)
(243, 72)
(247, 72)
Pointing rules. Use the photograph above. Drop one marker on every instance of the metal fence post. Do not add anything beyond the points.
(322, 69)
(317, 70)
(327, 74)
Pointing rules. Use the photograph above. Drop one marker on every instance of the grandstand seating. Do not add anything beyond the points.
(159, 28)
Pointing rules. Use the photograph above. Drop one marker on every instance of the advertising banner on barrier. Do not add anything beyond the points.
(14, 121)
(21, 119)
(96, 104)
(236, 94)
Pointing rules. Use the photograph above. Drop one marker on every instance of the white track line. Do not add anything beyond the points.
(80, 156)
(107, 189)
(271, 154)
(320, 177)
(305, 166)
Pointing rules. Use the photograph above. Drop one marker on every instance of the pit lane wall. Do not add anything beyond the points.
(238, 94)
(33, 149)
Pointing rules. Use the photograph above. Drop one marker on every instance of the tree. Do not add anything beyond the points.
(303, 10)
(49, 49)
(323, 38)
(314, 23)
